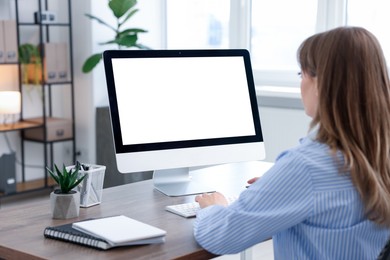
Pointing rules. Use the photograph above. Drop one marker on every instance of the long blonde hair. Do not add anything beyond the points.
(353, 114)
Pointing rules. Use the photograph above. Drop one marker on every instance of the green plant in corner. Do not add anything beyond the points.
(66, 180)
(30, 59)
(123, 10)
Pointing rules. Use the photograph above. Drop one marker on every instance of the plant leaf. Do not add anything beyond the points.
(100, 21)
(65, 181)
(109, 42)
(77, 182)
(128, 16)
(29, 53)
(120, 7)
(127, 40)
(58, 172)
(91, 62)
(73, 177)
(54, 176)
(131, 31)
(142, 47)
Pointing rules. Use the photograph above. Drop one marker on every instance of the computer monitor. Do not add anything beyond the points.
(172, 110)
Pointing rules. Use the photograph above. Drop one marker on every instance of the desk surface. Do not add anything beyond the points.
(21, 229)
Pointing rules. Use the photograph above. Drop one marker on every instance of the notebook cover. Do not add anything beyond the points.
(121, 230)
(68, 234)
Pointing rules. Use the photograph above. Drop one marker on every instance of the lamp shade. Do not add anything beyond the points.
(10, 102)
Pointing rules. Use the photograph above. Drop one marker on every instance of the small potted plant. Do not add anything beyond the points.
(64, 201)
(30, 59)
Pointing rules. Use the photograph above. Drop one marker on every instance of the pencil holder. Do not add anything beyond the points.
(91, 188)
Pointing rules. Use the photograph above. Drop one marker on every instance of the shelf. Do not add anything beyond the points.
(49, 141)
(44, 24)
(9, 63)
(34, 185)
(42, 131)
(59, 83)
(68, 82)
(21, 125)
(29, 186)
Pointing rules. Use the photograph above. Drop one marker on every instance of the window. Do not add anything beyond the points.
(221, 24)
(198, 24)
(374, 16)
(271, 30)
(278, 28)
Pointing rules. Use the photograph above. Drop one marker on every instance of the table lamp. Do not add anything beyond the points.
(10, 106)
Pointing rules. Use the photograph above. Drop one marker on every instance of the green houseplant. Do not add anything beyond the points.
(30, 59)
(67, 180)
(65, 202)
(123, 10)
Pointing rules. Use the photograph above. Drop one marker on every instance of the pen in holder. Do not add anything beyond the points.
(91, 188)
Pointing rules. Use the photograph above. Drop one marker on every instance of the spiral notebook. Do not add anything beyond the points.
(106, 233)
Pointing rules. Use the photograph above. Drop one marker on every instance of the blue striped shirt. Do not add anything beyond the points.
(309, 209)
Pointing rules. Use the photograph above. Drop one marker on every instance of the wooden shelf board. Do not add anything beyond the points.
(19, 126)
(34, 185)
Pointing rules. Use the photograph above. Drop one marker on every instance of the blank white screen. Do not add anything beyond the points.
(176, 99)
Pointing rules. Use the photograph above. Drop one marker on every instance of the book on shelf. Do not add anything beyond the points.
(108, 232)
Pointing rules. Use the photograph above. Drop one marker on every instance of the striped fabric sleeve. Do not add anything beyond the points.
(280, 199)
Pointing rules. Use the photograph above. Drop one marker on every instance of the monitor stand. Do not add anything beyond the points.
(177, 182)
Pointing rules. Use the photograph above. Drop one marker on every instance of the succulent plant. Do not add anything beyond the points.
(66, 180)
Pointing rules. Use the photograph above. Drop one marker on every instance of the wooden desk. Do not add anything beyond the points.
(21, 229)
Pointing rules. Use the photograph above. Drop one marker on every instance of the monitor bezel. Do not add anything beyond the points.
(113, 105)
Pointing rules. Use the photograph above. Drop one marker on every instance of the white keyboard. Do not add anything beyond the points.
(190, 209)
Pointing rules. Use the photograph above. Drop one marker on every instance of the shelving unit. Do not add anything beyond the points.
(49, 94)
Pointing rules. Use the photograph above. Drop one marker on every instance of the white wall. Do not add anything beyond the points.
(83, 83)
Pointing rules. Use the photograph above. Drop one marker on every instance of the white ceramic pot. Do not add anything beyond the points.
(64, 206)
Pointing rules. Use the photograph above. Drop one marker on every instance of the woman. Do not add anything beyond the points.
(329, 197)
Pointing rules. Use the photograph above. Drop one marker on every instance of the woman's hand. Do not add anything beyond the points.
(209, 199)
